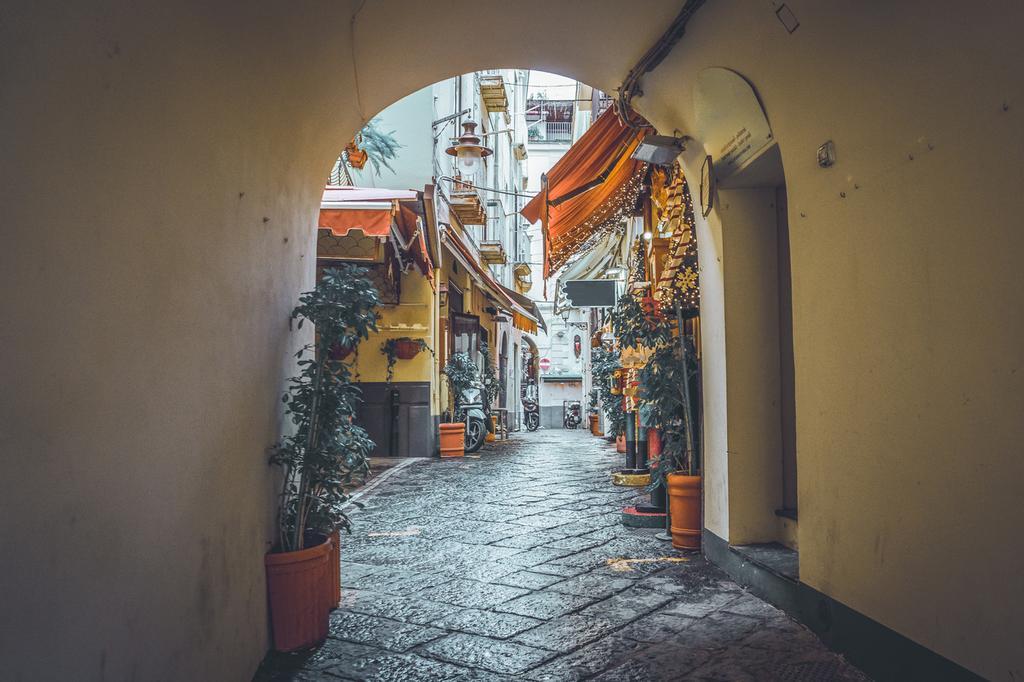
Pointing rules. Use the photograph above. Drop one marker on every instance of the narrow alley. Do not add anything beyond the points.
(515, 565)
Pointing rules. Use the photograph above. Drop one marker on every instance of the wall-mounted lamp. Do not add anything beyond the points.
(661, 150)
(468, 151)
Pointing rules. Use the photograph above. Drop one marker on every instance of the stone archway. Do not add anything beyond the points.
(163, 169)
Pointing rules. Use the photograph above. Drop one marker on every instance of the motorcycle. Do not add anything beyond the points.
(531, 410)
(469, 409)
(572, 414)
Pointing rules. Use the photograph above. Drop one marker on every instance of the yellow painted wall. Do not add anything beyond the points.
(416, 308)
(163, 164)
(750, 275)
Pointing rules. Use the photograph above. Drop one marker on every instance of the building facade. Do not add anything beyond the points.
(468, 298)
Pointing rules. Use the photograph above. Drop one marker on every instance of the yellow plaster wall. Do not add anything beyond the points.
(163, 164)
(416, 307)
(750, 275)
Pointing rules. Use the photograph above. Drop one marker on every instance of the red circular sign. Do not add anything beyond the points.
(545, 364)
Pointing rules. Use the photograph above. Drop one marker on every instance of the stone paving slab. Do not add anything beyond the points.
(514, 566)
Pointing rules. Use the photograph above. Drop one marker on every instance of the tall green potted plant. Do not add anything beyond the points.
(665, 381)
(320, 459)
(603, 362)
(462, 374)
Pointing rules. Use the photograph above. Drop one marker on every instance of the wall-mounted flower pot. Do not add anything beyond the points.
(340, 352)
(297, 589)
(356, 157)
(684, 504)
(407, 349)
(453, 439)
(620, 443)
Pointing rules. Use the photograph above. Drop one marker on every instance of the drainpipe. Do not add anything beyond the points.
(394, 405)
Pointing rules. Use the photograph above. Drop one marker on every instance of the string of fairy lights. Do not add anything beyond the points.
(583, 236)
(679, 280)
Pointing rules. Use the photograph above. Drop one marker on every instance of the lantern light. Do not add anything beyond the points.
(468, 151)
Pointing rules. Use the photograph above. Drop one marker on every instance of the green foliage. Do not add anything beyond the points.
(662, 381)
(490, 376)
(602, 363)
(327, 450)
(634, 326)
(381, 148)
(461, 372)
(390, 349)
(592, 400)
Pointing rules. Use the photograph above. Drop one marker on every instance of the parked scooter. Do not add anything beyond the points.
(572, 414)
(469, 408)
(531, 409)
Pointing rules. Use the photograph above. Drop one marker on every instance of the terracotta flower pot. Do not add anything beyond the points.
(594, 421)
(453, 439)
(620, 443)
(406, 349)
(340, 352)
(684, 504)
(334, 572)
(297, 587)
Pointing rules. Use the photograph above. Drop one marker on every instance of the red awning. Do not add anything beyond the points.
(592, 184)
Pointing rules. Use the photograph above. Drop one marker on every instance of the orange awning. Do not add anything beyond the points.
(411, 227)
(525, 315)
(374, 222)
(569, 215)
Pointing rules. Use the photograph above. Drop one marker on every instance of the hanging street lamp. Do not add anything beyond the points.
(469, 151)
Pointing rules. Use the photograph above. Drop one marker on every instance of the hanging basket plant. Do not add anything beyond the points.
(402, 349)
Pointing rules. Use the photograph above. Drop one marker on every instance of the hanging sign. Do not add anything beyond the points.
(730, 121)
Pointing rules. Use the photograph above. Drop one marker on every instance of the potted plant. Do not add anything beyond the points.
(592, 413)
(665, 379)
(402, 349)
(604, 366)
(319, 460)
(461, 374)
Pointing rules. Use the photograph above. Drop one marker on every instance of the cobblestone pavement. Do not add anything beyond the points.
(514, 566)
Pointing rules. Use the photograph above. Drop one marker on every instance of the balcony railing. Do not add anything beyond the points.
(551, 132)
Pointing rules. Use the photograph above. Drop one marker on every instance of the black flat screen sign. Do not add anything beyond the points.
(591, 293)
